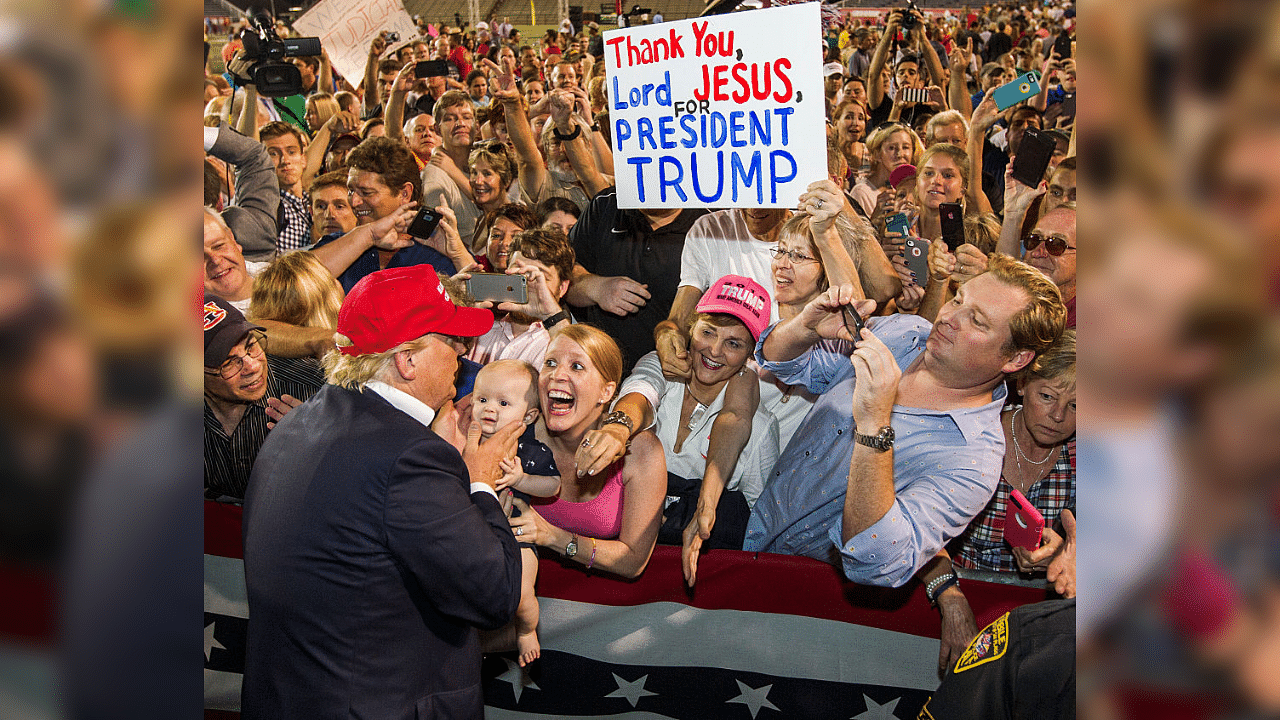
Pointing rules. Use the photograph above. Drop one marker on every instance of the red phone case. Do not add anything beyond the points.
(1023, 523)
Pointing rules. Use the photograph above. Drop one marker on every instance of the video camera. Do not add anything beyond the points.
(270, 73)
(909, 19)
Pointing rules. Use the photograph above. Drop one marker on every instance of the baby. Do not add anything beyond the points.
(506, 391)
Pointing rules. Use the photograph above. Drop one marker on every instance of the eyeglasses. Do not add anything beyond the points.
(796, 258)
(1055, 245)
(234, 364)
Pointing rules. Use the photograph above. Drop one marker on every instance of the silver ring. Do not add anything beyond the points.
(519, 530)
(819, 205)
(586, 442)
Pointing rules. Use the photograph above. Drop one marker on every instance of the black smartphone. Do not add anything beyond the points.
(430, 68)
(424, 223)
(499, 287)
(1034, 152)
(853, 322)
(952, 216)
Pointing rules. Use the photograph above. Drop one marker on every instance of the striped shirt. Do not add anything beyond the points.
(982, 547)
(296, 232)
(228, 459)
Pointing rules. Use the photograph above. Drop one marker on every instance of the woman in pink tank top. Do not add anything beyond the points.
(611, 492)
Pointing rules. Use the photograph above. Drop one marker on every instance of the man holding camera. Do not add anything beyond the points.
(907, 71)
(385, 190)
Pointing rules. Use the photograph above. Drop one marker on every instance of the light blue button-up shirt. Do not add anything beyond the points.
(946, 465)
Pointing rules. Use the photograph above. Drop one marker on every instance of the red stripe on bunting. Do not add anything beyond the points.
(728, 580)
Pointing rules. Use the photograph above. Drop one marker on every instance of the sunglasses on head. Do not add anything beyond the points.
(1055, 245)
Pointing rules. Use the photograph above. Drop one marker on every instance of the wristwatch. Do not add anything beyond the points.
(552, 320)
(617, 417)
(881, 441)
(572, 548)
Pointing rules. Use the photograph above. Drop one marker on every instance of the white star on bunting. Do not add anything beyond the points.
(518, 678)
(754, 698)
(632, 691)
(210, 642)
(876, 711)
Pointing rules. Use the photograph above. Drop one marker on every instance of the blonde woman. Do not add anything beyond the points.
(296, 291)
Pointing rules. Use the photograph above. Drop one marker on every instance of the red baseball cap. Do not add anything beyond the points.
(900, 173)
(393, 306)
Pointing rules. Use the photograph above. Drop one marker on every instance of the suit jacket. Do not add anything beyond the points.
(369, 565)
(252, 215)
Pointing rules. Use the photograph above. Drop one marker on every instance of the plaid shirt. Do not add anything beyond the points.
(296, 233)
(983, 546)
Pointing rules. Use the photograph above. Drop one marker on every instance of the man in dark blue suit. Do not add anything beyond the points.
(373, 549)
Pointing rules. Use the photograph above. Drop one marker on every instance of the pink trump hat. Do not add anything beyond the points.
(740, 297)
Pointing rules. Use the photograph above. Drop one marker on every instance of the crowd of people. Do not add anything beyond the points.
(763, 379)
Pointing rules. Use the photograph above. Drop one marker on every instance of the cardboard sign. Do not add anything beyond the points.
(723, 111)
(347, 27)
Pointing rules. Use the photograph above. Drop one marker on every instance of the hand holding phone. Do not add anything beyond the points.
(424, 223)
(1023, 523)
(499, 288)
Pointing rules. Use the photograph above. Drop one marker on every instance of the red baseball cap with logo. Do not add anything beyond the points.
(393, 306)
(740, 297)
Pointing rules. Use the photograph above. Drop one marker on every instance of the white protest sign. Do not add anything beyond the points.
(347, 27)
(723, 111)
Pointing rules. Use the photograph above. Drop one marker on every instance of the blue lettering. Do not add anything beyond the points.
(621, 131)
(644, 129)
(665, 131)
(737, 171)
(719, 175)
(735, 127)
(692, 140)
(639, 162)
(720, 134)
(783, 113)
(759, 133)
(634, 96)
(774, 179)
(663, 182)
(617, 96)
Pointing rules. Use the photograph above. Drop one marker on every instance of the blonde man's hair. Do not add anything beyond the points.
(941, 120)
(1037, 326)
(355, 371)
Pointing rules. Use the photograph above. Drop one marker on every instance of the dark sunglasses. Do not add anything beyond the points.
(1055, 245)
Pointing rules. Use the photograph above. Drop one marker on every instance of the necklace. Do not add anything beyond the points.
(1018, 448)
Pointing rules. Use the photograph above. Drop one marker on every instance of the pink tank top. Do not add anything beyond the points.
(600, 517)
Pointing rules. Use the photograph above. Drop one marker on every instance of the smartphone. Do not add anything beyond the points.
(424, 223)
(917, 95)
(499, 287)
(1023, 523)
(853, 322)
(917, 256)
(1034, 152)
(898, 223)
(952, 216)
(1022, 88)
(430, 68)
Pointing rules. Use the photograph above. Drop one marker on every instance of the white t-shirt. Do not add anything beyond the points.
(666, 398)
(440, 189)
(719, 244)
(254, 269)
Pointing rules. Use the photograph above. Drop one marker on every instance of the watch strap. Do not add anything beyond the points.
(551, 322)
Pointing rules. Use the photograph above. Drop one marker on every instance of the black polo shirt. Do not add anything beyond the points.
(610, 242)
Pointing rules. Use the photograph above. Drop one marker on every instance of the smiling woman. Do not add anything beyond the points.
(608, 511)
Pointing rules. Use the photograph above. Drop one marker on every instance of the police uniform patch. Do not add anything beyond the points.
(989, 645)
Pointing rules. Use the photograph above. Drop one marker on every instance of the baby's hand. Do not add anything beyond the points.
(512, 473)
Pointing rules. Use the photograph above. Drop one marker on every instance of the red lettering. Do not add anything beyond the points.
(726, 48)
(697, 38)
(705, 91)
(756, 91)
(720, 81)
(745, 93)
(782, 95)
(616, 44)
